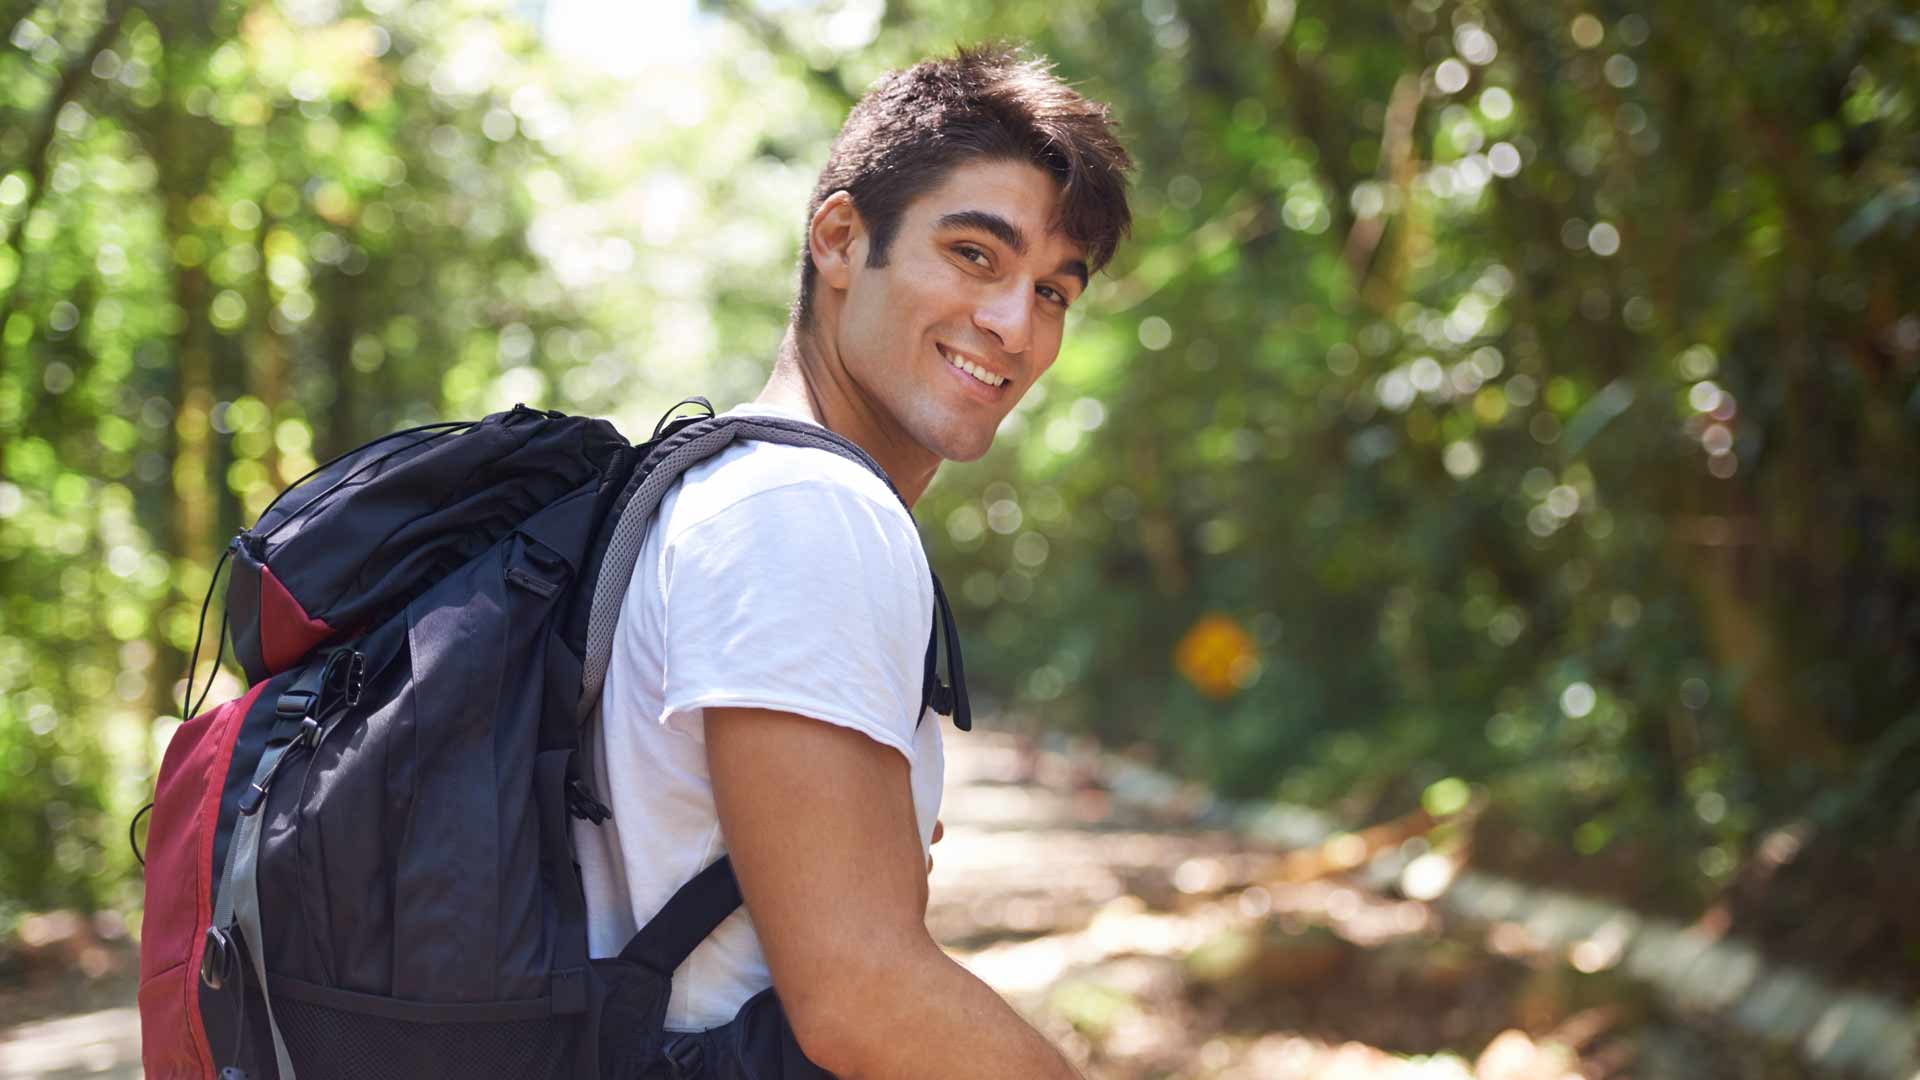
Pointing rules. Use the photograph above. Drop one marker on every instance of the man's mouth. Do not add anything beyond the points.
(979, 373)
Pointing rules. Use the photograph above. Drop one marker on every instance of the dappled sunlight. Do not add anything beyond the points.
(1152, 944)
(1457, 587)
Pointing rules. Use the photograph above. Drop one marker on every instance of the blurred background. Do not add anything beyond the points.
(1494, 464)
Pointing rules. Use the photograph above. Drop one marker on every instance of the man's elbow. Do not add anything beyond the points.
(834, 1043)
(843, 1021)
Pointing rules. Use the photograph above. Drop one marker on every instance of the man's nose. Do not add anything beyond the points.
(1007, 314)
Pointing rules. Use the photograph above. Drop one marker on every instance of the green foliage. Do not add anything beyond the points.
(1536, 390)
(1514, 374)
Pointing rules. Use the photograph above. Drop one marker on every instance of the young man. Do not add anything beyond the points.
(764, 697)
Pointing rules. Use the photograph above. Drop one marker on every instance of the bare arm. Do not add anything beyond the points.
(819, 821)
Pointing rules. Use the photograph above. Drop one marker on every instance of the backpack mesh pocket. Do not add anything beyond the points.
(328, 1043)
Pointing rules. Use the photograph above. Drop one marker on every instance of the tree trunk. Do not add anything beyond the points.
(186, 149)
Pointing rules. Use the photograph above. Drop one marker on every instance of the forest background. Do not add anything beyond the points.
(1501, 403)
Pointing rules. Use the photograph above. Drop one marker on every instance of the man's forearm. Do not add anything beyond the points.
(830, 862)
(928, 1017)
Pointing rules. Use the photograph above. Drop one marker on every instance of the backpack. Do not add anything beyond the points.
(363, 867)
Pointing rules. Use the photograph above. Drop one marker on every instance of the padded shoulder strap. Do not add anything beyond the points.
(662, 469)
(704, 902)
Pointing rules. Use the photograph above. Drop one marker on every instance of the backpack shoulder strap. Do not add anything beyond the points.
(700, 905)
(659, 471)
(692, 913)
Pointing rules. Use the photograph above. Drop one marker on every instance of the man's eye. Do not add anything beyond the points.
(1054, 295)
(972, 254)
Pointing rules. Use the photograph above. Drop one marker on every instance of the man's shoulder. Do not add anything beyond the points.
(741, 478)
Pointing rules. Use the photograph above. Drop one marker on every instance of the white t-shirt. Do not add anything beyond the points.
(776, 577)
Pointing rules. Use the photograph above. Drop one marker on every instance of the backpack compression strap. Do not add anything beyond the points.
(663, 468)
(299, 714)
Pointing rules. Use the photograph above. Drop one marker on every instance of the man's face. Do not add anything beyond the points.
(974, 280)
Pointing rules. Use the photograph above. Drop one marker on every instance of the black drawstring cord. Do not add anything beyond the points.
(446, 428)
(188, 707)
(199, 635)
(668, 416)
(218, 655)
(133, 835)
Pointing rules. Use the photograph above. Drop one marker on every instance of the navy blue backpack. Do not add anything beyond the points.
(363, 867)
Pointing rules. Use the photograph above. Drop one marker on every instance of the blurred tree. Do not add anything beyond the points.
(237, 240)
(1541, 384)
(1524, 394)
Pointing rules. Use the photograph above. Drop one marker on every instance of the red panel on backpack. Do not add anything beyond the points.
(179, 905)
(287, 632)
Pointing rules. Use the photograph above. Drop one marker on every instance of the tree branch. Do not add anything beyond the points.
(1398, 169)
(1309, 97)
(1319, 115)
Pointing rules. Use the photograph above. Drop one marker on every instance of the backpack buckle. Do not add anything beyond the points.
(216, 958)
(345, 676)
(582, 804)
(684, 1057)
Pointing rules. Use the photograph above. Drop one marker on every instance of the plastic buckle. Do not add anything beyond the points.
(356, 677)
(684, 1057)
(216, 958)
(345, 675)
(582, 804)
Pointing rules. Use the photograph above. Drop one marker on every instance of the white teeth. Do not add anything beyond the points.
(974, 370)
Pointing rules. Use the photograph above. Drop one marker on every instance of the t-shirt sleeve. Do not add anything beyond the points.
(809, 598)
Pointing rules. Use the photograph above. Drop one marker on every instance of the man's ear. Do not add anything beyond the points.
(835, 238)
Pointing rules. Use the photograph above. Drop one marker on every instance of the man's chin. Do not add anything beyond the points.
(964, 446)
(970, 454)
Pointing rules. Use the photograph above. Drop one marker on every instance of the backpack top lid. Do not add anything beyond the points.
(370, 529)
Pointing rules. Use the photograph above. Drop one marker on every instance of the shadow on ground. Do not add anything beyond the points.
(1148, 948)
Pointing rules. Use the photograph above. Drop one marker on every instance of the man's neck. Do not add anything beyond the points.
(807, 378)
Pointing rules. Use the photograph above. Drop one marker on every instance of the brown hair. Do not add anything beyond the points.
(986, 103)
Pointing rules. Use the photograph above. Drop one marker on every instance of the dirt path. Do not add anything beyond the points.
(1126, 940)
(1028, 885)
(1150, 948)
(96, 1044)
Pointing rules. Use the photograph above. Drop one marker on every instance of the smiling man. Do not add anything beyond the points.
(765, 696)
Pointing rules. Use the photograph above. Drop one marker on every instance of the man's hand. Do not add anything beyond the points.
(819, 821)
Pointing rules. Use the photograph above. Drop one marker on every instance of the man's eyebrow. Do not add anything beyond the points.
(987, 222)
(1007, 233)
